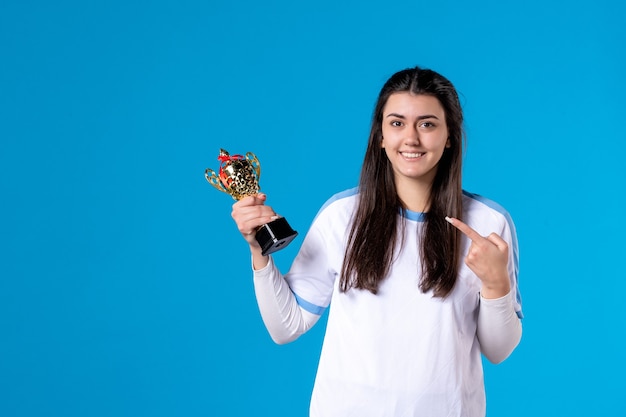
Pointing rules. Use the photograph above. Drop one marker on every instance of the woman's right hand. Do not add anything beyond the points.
(249, 213)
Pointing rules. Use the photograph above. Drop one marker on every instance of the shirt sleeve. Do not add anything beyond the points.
(499, 327)
(291, 304)
(284, 319)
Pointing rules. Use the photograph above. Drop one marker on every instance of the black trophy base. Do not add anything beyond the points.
(275, 235)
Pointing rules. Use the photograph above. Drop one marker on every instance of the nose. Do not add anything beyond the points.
(412, 135)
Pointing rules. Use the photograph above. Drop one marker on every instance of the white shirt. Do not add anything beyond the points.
(400, 352)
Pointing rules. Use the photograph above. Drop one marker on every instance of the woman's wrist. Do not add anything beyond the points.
(495, 290)
(259, 261)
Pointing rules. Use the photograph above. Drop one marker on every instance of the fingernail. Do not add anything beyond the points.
(448, 219)
(274, 217)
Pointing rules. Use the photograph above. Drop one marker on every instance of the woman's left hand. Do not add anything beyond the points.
(487, 257)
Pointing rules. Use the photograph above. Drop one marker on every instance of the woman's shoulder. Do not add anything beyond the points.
(342, 198)
(482, 211)
(478, 201)
(341, 202)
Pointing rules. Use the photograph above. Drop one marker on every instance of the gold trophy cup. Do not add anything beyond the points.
(239, 177)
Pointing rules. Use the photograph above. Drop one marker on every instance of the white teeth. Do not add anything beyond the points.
(412, 155)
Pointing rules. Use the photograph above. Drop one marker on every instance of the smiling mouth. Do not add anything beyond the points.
(412, 154)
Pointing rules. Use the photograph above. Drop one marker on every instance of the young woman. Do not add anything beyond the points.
(420, 277)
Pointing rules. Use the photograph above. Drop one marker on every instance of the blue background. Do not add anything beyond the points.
(125, 288)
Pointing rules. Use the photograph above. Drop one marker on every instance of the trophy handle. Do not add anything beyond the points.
(214, 180)
(254, 162)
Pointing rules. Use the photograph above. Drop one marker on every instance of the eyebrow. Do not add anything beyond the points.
(425, 116)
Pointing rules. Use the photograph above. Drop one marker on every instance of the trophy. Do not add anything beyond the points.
(239, 177)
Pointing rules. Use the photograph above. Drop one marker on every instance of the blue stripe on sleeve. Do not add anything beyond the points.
(310, 307)
(347, 193)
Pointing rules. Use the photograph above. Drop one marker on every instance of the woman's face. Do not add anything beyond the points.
(415, 136)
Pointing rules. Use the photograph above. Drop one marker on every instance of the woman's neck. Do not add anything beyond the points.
(415, 195)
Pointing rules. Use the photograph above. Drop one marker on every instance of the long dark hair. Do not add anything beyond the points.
(373, 236)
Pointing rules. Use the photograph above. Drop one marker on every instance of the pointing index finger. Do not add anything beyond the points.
(465, 229)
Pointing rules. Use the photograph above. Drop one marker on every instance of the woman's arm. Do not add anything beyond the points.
(499, 328)
(284, 319)
(282, 316)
